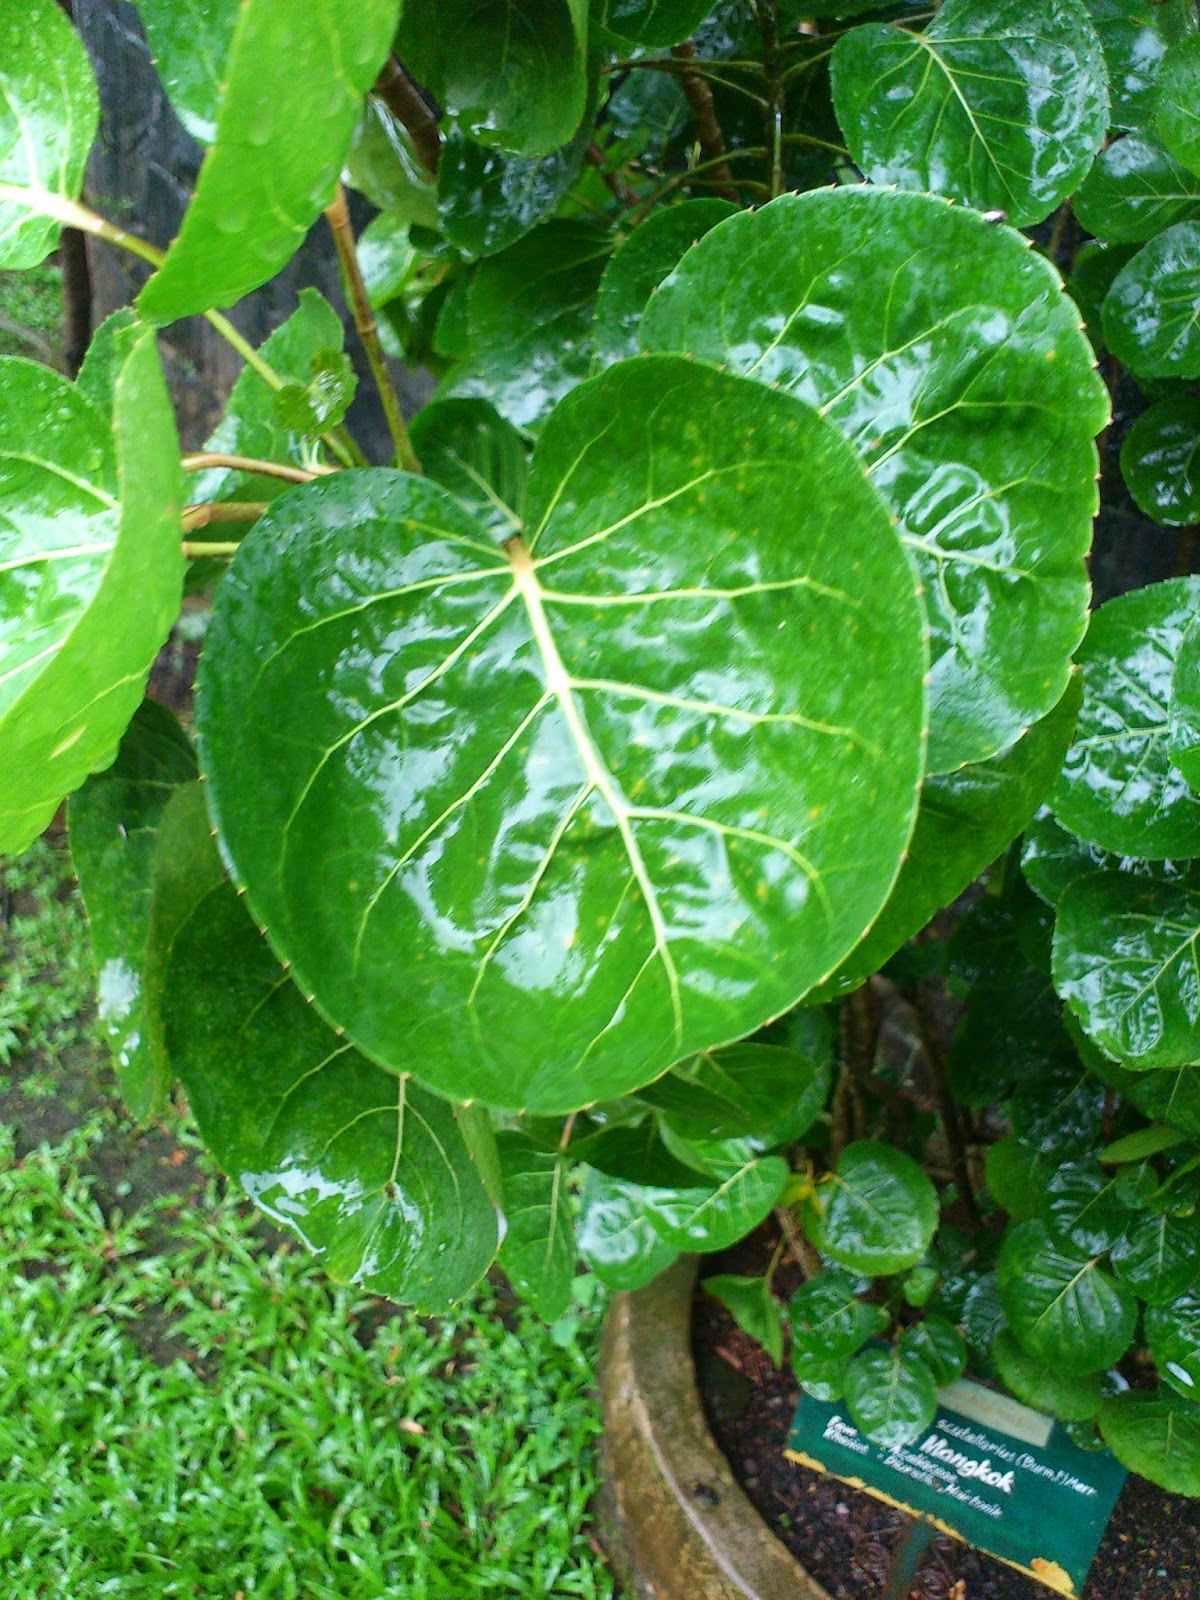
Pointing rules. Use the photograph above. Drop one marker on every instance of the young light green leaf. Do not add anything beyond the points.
(1046, 1388)
(469, 448)
(1173, 1334)
(190, 44)
(1159, 1257)
(115, 820)
(615, 1238)
(1148, 312)
(111, 346)
(753, 1307)
(275, 159)
(961, 108)
(1159, 461)
(590, 908)
(892, 1395)
(829, 1321)
(369, 1170)
(318, 403)
(1178, 120)
(1061, 1305)
(538, 1248)
(90, 576)
(959, 371)
(875, 1214)
(1118, 788)
(1137, 1146)
(1125, 953)
(940, 1346)
(49, 112)
(1156, 1435)
(1135, 190)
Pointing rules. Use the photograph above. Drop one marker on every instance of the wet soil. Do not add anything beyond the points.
(849, 1541)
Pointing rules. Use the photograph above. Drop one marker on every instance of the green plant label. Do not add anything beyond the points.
(988, 1470)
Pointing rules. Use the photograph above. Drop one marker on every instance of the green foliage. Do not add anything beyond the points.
(595, 791)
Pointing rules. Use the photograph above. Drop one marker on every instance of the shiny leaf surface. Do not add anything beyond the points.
(745, 1089)
(1045, 1387)
(1156, 1435)
(939, 1345)
(829, 1321)
(115, 820)
(1149, 320)
(1125, 961)
(1082, 1207)
(590, 854)
(891, 1395)
(190, 45)
(469, 448)
(1052, 859)
(277, 153)
(655, 22)
(947, 352)
(639, 264)
(49, 112)
(875, 1214)
(1134, 35)
(716, 1216)
(1118, 788)
(1135, 190)
(1159, 1257)
(1173, 1334)
(1159, 461)
(488, 200)
(1178, 120)
(369, 1170)
(615, 1238)
(537, 1251)
(963, 108)
(753, 1307)
(382, 164)
(1183, 713)
(1172, 1097)
(90, 576)
(1061, 1305)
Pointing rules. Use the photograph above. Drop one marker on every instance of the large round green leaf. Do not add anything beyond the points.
(891, 1395)
(1126, 952)
(190, 44)
(1134, 35)
(1157, 1435)
(538, 1248)
(1178, 120)
(1071, 1399)
(115, 822)
(947, 352)
(1159, 1257)
(469, 448)
(615, 1238)
(829, 1321)
(1082, 1207)
(713, 1217)
(1052, 859)
(1061, 1305)
(962, 108)
(1159, 461)
(90, 575)
(488, 200)
(1173, 1334)
(1149, 313)
(1119, 789)
(371, 1171)
(604, 799)
(655, 22)
(772, 1093)
(277, 154)
(49, 111)
(875, 1214)
(1135, 190)
(1183, 712)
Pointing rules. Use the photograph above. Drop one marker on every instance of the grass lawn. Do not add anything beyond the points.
(189, 1408)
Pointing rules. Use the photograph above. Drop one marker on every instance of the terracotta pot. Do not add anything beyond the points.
(674, 1523)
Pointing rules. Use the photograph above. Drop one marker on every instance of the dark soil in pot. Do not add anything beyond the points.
(848, 1540)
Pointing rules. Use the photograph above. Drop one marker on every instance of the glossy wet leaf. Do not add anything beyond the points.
(638, 1155)
(111, 346)
(982, 1318)
(276, 157)
(1159, 461)
(1062, 1306)
(1159, 1257)
(1119, 789)
(250, 426)
(90, 576)
(387, 257)
(1183, 713)
(655, 22)
(963, 107)
(382, 164)
(190, 45)
(115, 820)
(939, 1345)
(470, 449)
(1052, 859)
(529, 320)
(615, 1238)
(947, 352)
(1082, 1207)
(753, 1307)
(1044, 1386)
(891, 1395)
(367, 1168)
(966, 819)
(590, 854)
(763, 1090)
(320, 400)
(1136, 189)
(829, 1321)
(876, 1213)
(717, 1215)
(1178, 119)
(537, 1251)
(512, 73)
(1149, 321)
(1156, 1435)
(1134, 35)
(820, 1377)
(639, 264)
(49, 112)
(1171, 1096)
(1125, 961)
(1092, 274)
(1173, 1334)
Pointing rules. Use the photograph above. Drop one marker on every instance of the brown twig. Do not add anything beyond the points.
(224, 511)
(802, 1253)
(337, 214)
(407, 104)
(937, 1057)
(613, 182)
(704, 115)
(262, 469)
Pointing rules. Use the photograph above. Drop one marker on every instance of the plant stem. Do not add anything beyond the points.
(337, 214)
(937, 1057)
(613, 181)
(72, 215)
(680, 178)
(264, 469)
(407, 104)
(200, 552)
(225, 511)
(768, 21)
(704, 115)
(801, 1252)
